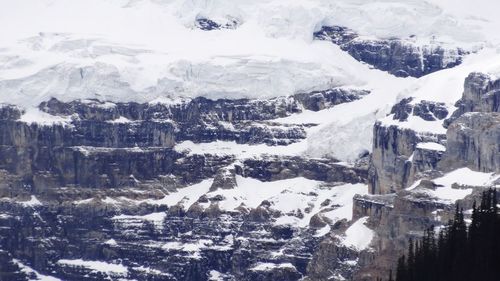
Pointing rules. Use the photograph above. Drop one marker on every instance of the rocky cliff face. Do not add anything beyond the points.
(473, 141)
(414, 181)
(399, 57)
(473, 128)
(101, 190)
(399, 154)
(396, 158)
(481, 94)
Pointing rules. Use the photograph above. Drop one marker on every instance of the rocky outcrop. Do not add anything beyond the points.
(473, 141)
(425, 160)
(393, 151)
(473, 129)
(427, 110)
(65, 225)
(278, 168)
(10, 112)
(397, 159)
(397, 219)
(102, 144)
(224, 179)
(397, 56)
(319, 100)
(203, 109)
(374, 206)
(332, 261)
(207, 24)
(481, 94)
(9, 270)
(104, 185)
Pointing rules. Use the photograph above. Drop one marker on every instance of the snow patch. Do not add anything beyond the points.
(121, 120)
(463, 176)
(35, 116)
(30, 271)
(358, 235)
(99, 266)
(33, 202)
(241, 151)
(267, 266)
(185, 196)
(431, 146)
(156, 218)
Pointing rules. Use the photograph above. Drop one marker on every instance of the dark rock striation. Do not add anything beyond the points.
(86, 197)
(399, 57)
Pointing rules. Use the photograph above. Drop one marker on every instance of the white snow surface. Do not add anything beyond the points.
(358, 235)
(38, 277)
(242, 151)
(150, 51)
(156, 218)
(214, 275)
(461, 176)
(109, 268)
(431, 146)
(267, 266)
(185, 196)
(297, 199)
(33, 202)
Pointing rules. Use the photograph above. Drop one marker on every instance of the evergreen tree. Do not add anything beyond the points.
(460, 253)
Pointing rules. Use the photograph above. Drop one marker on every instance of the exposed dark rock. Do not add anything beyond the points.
(10, 270)
(402, 109)
(393, 146)
(425, 160)
(93, 187)
(224, 179)
(278, 273)
(399, 57)
(427, 110)
(339, 35)
(430, 111)
(10, 112)
(319, 100)
(317, 221)
(332, 261)
(208, 24)
(273, 168)
(481, 94)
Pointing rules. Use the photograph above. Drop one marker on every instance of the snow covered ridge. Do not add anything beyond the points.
(148, 50)
(55, 51)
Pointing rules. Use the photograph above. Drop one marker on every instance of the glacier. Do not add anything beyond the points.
(151, 51)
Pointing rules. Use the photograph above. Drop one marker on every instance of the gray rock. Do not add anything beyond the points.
(481, 94)
(397, 56)
(473, 141)
(224, 179)
(391, 168)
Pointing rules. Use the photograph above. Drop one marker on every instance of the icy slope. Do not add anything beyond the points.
(124, 49)
(151, 50)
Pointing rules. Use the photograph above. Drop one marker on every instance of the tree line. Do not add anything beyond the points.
(459, 251)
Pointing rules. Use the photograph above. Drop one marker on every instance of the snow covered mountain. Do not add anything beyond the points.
(239, 140)
(152, 51)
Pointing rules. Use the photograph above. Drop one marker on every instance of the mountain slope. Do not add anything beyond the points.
(216, 140)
